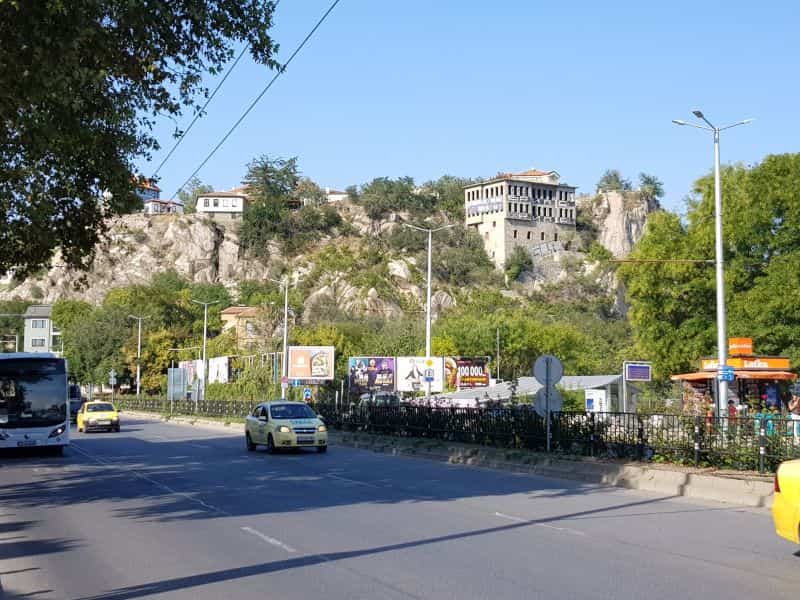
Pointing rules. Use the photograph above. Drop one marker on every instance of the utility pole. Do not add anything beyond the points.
(205, 306)
(722, 342)
(285, 365)
(430, 233)
(138, 354)
(498, 354)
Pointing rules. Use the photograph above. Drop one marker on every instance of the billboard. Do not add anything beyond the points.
(311, 363)
(466, 372)
(637, 371)
(415, 372)
(218, 369)
(371, 374)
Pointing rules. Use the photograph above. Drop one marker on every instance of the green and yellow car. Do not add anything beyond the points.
(98, 416)
(285, 425)
(786, 503)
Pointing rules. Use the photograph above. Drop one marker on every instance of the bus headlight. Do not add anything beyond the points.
(57, 432)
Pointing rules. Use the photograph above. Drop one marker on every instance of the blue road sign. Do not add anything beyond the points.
(307, 393)
(296, 383)
(725, 373)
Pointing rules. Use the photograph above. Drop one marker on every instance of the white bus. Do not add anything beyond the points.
(34, 407)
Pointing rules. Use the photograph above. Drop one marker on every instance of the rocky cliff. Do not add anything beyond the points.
(201, 250)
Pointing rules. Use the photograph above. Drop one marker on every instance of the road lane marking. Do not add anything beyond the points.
(156, 483)
(354, 481)
(269, 540)
(545, 525)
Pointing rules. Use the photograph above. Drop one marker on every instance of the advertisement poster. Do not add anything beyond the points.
(218, 369)
(194, 370)
(414, 373)
(596, 401)
(311, 363)
(466, 372)
(371, 374)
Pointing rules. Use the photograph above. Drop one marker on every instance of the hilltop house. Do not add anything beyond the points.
(223, 206)
(531, 209)
(40, 333)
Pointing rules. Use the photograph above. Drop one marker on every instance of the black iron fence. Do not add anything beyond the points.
(758, 442)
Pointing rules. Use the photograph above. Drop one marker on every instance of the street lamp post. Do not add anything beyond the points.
(205, 306)
(138, 353)
(430, 233)
(285, 366)
(722, 349)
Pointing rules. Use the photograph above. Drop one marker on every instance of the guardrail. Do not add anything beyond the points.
(758, 442)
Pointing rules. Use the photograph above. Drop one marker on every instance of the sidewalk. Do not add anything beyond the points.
(732, 487)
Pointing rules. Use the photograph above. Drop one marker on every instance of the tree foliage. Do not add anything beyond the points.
(83, 83)
(188, 195)
(612, 180)
(673, 304)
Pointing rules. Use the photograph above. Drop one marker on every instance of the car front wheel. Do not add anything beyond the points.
(249, 443)
(270, 444)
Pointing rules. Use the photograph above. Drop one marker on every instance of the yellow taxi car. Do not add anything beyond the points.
(786, 503)
(284, 425)
(98, 416)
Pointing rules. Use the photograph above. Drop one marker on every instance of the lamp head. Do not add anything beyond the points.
(679, 122)
(698, 114)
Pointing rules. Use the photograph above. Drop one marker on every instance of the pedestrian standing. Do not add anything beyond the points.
(794, 410)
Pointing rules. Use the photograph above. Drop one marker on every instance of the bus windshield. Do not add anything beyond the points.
(33, 392)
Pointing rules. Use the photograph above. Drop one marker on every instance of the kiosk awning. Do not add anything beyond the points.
(763, 375)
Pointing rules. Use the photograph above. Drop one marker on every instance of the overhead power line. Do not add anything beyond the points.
(203, 108)
(252, 105)
(199, 113)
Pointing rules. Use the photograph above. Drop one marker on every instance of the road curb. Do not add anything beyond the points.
(738, 489)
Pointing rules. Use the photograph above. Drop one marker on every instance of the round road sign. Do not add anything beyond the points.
(548, 370)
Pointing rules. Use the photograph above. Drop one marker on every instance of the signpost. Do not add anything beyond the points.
(725, 373)
(548, 371)
(112, 381)
(634, 371)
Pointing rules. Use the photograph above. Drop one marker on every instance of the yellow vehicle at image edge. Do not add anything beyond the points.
(97, 416)
(786, 504)
(285, 425)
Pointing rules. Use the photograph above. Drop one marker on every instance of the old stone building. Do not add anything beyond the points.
(532, 209)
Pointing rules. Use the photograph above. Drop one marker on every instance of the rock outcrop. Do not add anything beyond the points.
(620, 218)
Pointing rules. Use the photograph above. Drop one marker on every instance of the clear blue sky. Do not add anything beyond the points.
(467, 87)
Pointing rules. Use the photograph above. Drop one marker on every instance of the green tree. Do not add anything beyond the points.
(518, 262)
(651, 187)
(612, 180)
(188, 195)
(271, 178)
(12, 326)
(673, 304)
(309, 193)
(83, 84)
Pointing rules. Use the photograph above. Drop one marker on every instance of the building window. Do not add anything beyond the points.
(515, 234)
(509, 207)
(205, 202)
(543, 236)
(226, 202)
(555, 236)
(216, 202)
(249, 328)
(494, 224)
(529, 235)
(37, 342)
(550, 194)
(38, 324)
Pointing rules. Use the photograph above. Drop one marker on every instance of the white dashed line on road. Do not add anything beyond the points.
(545, 525)
(269, 540)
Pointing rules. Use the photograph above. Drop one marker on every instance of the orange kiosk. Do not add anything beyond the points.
(758, 380)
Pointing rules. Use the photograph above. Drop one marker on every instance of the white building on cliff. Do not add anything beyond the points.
(532, 209)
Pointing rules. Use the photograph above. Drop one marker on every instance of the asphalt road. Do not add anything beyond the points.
(171, 511)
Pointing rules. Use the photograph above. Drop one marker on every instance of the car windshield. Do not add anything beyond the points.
(291, 411)
(102, 407)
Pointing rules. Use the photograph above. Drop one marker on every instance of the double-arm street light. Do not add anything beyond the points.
(285, 367)
(722, 341)
(205, 306)
(430, 233)
(138, 353)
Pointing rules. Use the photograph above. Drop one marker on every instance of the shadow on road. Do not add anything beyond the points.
(224, 575)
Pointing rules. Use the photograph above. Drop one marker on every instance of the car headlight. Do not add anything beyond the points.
(115, 418)
(92, 421)
(322, 429)
(284, 429)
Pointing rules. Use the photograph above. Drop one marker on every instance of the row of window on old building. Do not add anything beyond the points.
(516, 190)
(541, 236)
(540, 211)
